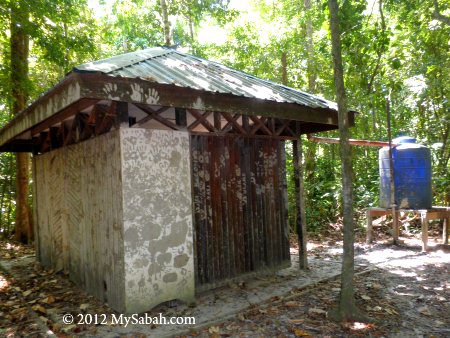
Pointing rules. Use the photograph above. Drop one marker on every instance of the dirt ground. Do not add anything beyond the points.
(404, 291)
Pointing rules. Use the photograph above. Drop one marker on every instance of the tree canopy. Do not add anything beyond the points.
(391, 50)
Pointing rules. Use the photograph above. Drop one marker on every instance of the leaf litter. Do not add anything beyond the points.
(410, 301)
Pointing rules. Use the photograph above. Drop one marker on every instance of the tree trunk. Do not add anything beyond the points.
(166, 23)
(346, 310)
(19, 85)
(311, 149)
(284, 77)
(310, 48)
(299, 203)
(437, 15)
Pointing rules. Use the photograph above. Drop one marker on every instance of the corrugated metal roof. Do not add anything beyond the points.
(169, 66)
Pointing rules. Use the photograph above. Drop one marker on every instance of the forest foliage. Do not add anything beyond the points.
(394, 53)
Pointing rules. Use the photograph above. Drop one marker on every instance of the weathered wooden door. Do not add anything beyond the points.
(240, 206)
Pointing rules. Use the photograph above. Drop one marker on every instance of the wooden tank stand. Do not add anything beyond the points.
(426, 215)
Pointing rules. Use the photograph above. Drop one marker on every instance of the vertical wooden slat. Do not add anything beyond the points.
(208, 211)
(276, 205)
(230, 204)
(246, 220)
(254, 205)
(283, 200)
(217, 205)
(240, 206)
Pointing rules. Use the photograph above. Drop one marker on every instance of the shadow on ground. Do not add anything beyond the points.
(405, 291)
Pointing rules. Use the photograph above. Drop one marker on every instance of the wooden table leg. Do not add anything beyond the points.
(396, 231)
(445, 229)
(424, 221)
(369, 227)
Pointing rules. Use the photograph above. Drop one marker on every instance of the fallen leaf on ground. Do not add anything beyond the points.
(49, 300)
(68, 328)
(214, 329)
(291, 304)
(316, 311)
(39, 308)
(27, 293)
(424, 310)
(377, 286)
(301, 333)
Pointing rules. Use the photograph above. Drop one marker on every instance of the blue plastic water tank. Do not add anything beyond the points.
(412, 175)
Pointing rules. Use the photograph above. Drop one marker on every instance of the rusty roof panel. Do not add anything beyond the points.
(169, 66)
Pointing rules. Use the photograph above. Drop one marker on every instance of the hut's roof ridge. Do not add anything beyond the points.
(169, 66)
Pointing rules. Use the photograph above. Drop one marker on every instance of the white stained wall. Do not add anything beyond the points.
(157, 205)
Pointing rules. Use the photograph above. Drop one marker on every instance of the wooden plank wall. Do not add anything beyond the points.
(240, 206)
(79, 215)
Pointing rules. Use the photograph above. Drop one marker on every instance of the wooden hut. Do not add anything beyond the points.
(157, 174)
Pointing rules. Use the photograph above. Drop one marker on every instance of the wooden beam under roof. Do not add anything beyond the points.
(81, 90)
(140, 91)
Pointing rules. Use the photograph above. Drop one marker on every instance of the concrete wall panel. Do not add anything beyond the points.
(158, 234)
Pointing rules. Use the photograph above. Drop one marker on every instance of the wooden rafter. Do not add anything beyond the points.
(232, 121)
(85, 129)
(70, 128)
(259, 124)
(284, 127)
(155, 115)
(200, 119)
(80, 127)
(83, 125)
(64, 114)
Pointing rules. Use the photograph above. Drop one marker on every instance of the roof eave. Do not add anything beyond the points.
(97, 86)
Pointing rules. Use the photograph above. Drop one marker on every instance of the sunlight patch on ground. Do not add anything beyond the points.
(10, 246)
(3, 282)
(403, 273)
(405, 259)
(336, 251)
(359, 326)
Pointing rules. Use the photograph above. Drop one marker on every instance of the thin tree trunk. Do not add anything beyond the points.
(191, 33)
(312, 76)
(6, 201)
(284, 78)
(392, 174)
(346, 310)
(310, 153)
(19, 77)
(166, 23)
(300, 204)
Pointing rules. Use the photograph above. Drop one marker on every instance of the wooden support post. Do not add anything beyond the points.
(299, 203)
(369, 227)
(180, 117)
(217, 122)
(122, 115)
(245, 123)
(395, 226)
(445, 228)
(424, 222)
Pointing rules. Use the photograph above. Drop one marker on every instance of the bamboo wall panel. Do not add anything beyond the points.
(240, 206)
(79, 215)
